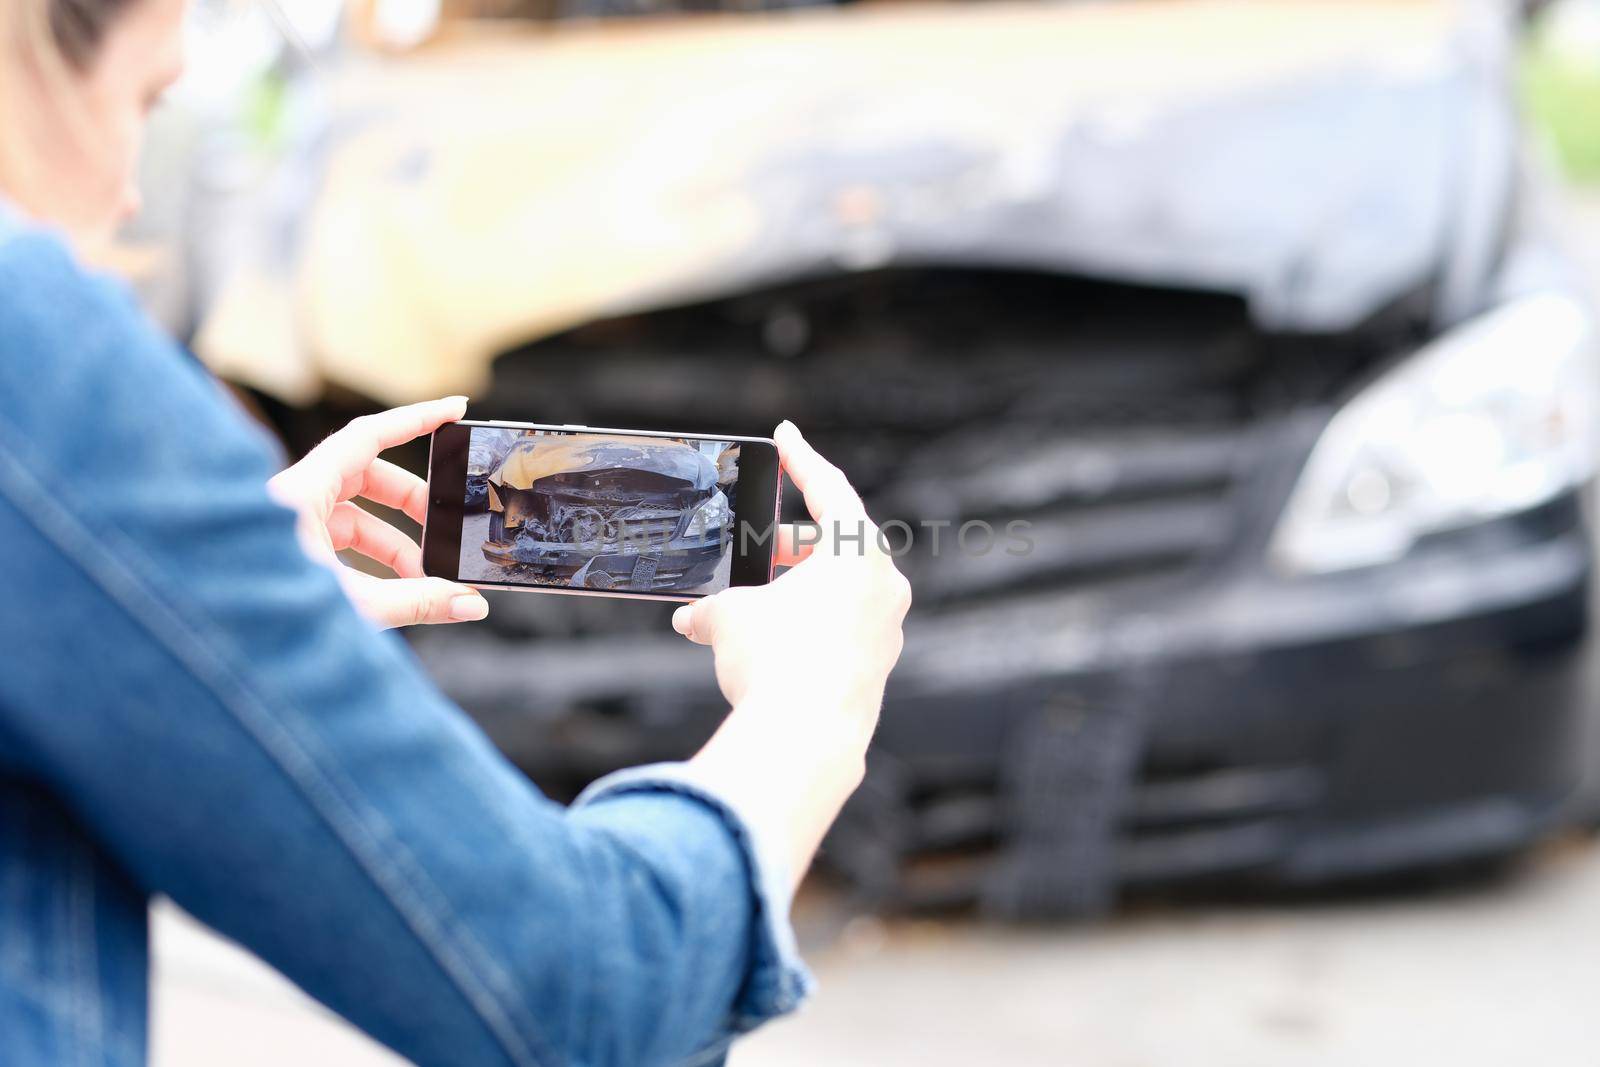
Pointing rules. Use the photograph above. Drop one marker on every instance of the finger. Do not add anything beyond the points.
(827, 491)
(350, 451)
(395, 487)
(415, 601)
(699, 621)
(361, 531)
(795, 542)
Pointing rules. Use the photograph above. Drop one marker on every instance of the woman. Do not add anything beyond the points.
(191, 703)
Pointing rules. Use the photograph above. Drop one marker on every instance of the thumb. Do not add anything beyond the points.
(698, 621)
(414, 601)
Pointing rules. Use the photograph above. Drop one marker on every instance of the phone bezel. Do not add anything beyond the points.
(447, 478)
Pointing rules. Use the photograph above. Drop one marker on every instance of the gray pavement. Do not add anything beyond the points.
(473, 566)
(1502, 974)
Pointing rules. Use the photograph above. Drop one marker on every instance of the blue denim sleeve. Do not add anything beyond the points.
(777, 981)
(207, 703)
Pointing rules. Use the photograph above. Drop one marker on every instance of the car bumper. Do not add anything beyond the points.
(1294, 730)
(680, 563)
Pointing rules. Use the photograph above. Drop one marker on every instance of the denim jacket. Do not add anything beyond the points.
(190, 706)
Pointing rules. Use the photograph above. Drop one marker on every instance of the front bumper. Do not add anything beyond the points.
(1295, 731)
(681, 563)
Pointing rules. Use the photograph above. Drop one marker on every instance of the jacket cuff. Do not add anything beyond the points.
(777, 981)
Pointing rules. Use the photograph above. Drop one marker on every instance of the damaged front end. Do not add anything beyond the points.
(639, 515)
(1121, 271)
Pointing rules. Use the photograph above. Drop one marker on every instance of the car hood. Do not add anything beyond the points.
(534, 458)
(1318, 157)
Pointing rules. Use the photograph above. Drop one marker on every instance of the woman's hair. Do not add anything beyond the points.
(77, 27)
(42, 44)
(51, 35)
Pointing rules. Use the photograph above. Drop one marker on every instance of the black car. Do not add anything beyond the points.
(1251, 315)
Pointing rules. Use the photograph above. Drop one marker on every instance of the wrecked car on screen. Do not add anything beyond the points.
(603, 513)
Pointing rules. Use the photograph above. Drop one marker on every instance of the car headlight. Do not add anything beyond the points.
(1492, 418)
(711, 517)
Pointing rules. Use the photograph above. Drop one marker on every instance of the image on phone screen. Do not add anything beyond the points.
(598, 511)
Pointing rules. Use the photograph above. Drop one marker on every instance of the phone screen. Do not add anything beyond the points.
(619, 512)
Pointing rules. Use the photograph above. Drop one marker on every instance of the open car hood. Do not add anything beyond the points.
(534, 458)
(1318, 157)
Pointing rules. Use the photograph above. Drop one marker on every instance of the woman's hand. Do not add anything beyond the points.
(322, 489)
(803, 661)
(829, 628)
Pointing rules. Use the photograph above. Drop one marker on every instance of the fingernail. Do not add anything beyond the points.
(469, 608)
(462, 400)
(680, 619)
(787, 425)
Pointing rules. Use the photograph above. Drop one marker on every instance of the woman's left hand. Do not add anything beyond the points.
(322, 489)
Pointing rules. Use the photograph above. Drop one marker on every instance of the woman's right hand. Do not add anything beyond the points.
(825, 634)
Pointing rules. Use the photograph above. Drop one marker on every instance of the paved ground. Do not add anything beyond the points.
(473, 566)
(1503, 972)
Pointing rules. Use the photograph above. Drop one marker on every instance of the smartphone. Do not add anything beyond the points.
(599, 512)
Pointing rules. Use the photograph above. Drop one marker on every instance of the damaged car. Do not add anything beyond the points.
(1254, 313)
(611, 512)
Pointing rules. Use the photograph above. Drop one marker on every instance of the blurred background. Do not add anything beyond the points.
(1273, 320)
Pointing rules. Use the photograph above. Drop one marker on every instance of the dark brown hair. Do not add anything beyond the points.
(79, 26)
